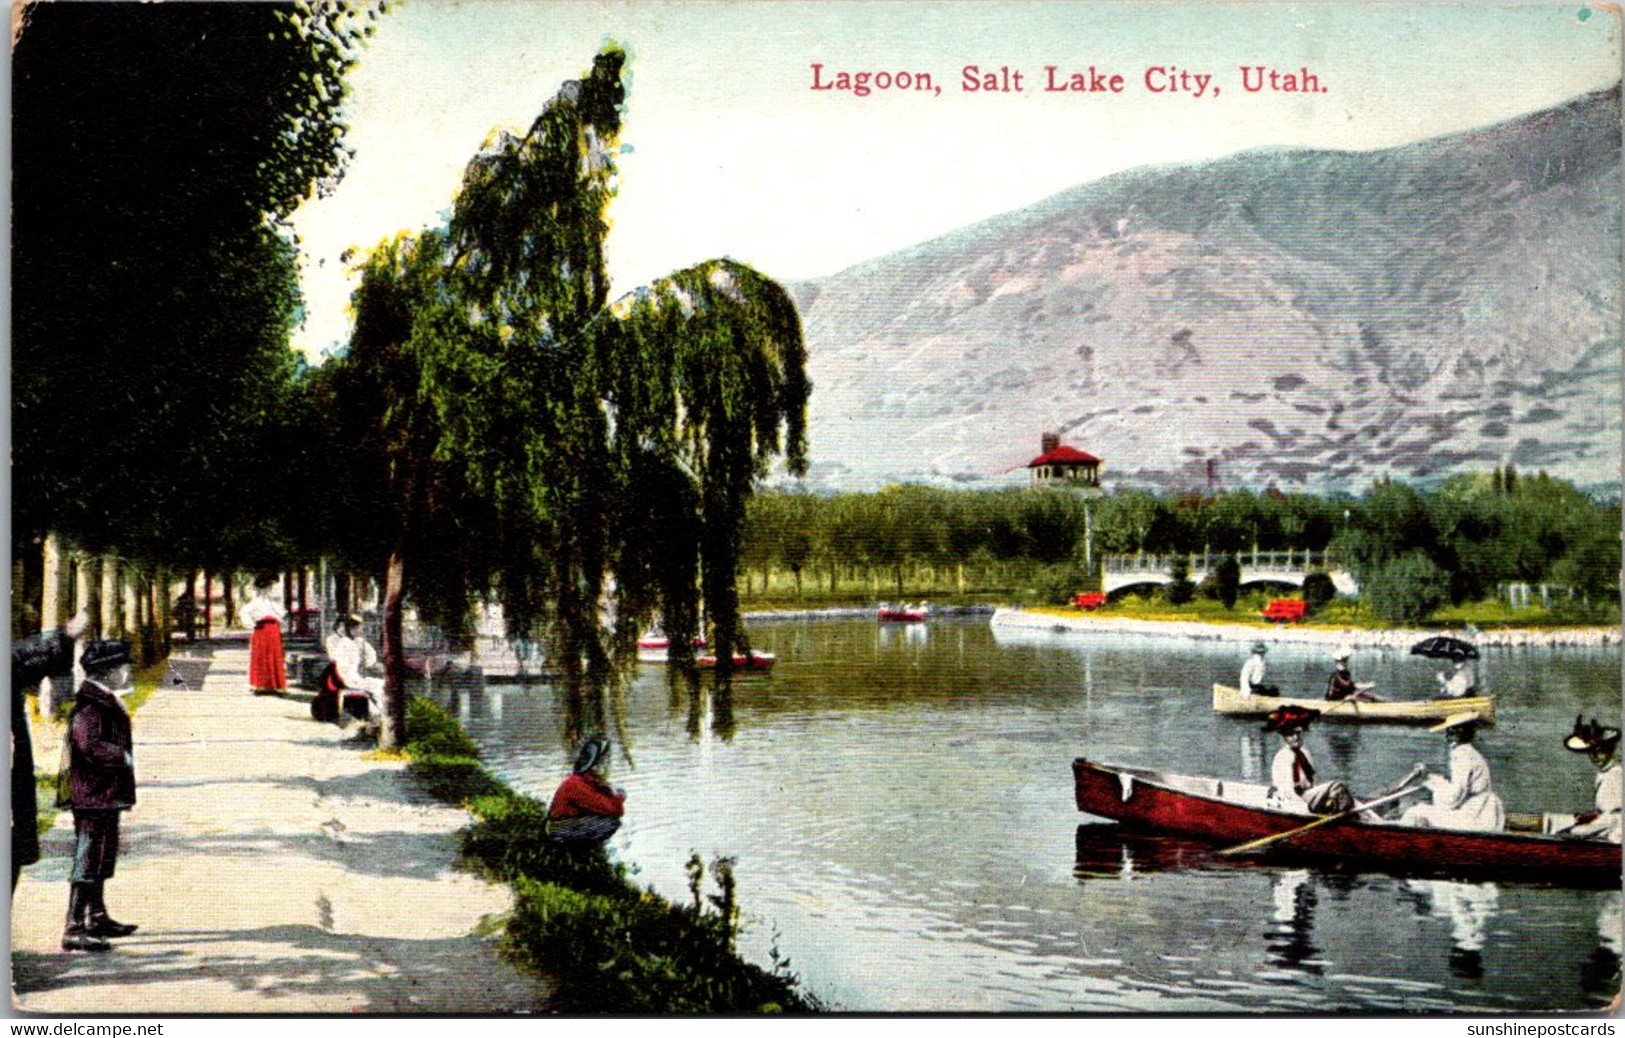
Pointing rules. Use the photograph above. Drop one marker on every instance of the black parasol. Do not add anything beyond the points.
(1444, 647)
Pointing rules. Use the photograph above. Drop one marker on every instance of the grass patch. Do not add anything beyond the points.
(1346, 613)
(608, 945)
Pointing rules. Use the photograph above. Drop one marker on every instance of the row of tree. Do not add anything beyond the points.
(496, 428)
(1464, 537)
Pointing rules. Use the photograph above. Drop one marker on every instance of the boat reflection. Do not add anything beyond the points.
(1288, 941)
(1106, 851)
(1469, 907)
(1600, 975)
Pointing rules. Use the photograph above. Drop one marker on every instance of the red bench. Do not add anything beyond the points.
(1286, 610)
(1089, 600)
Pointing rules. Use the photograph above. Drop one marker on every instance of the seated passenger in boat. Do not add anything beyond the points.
(586, 810)
(1461, 682)
(1465, 799)
(1341, 685)
(1602, 746)
(1292, 772)
(1252, 674)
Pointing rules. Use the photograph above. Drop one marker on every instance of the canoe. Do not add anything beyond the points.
(1232, 812)
(1230, 701)
(902, 616)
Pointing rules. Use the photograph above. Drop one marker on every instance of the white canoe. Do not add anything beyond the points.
(1228, 700)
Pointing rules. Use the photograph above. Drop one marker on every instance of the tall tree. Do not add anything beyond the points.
(157, 151)
(610, 449)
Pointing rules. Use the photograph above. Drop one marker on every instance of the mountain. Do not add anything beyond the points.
(1306, 318)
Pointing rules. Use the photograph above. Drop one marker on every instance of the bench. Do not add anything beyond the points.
(1089, 600)
(1286, 610)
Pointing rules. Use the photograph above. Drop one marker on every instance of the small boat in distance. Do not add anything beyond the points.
(903, 614)
(1143, 800)
(1227, 700)
(754, 663)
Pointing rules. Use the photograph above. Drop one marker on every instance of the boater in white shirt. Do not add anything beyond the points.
(1252, 674)
(1465, 800)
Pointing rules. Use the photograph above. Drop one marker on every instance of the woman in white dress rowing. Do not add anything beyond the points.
(1464, 799)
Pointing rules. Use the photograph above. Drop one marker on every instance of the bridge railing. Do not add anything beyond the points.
(1267, 561)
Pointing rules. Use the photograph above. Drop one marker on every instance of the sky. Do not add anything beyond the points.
(728, 150)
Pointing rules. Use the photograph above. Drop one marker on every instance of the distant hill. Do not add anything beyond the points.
(1307, 318)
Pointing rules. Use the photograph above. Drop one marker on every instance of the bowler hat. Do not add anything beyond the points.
(1289, 718)
(104, 655)
(1588, 737)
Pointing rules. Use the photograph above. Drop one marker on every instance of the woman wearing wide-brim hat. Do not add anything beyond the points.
(1292, 772)
(1601, 744)
(1466, 799)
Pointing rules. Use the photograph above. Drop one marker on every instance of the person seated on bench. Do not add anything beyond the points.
(586, 810)
(352, 656)
(1252, 674)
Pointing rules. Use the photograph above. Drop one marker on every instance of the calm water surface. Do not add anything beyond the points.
(899, 800)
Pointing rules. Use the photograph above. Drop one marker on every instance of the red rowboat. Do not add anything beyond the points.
(887, 615)
(757, 662)
(1235, 812)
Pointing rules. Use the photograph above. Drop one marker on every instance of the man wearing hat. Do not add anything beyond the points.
(1292, 772)
(1465, 800)
(100, 785)
(1252, 674)
(1602, 745)
(585, 809)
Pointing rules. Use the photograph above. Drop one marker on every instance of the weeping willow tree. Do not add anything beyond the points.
(598, 455)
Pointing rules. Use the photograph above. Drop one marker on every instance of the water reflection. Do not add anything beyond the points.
(1469, 907)
(1289, 940)
(952, 889)
(1600, 976)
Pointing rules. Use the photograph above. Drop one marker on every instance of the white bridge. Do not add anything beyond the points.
(1258, 567)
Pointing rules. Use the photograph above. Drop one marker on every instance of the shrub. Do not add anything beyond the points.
(1407, 589)
(1227, 580)
(1180, 590)
(1318, 590)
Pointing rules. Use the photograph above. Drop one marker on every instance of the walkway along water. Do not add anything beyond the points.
(272, 869)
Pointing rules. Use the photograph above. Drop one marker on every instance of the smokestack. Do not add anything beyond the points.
(1048, 442)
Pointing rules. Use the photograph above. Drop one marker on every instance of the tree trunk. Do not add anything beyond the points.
(393, 732)
(165, 614)
(56, 581)
(110, 626)
(228, 608)
(208, 603)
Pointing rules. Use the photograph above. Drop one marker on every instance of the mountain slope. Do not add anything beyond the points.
(1299, 317)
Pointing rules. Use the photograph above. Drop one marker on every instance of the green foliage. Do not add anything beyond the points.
(578, 458)
(157, 151)
(609, 946)
(1227, 581)
(1407, 589)
(1318, 590)
(1179, 590)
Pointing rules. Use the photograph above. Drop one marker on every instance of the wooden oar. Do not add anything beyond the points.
(1262, 843)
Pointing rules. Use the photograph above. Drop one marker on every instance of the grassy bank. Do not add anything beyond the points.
(1348, 613)
(610, 946)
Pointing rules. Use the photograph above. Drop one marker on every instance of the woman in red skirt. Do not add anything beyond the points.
(266, 676)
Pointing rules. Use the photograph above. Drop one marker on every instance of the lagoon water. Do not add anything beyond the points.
(899, 802)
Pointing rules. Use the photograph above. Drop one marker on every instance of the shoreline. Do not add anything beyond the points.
(1391, 638)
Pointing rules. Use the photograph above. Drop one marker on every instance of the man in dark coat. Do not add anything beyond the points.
(48, 654)
(101, 783)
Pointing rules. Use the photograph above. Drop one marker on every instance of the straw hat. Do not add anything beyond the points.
(1343, 652)
(1456, 721)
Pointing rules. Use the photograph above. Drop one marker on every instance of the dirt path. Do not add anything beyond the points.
(272, 870)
